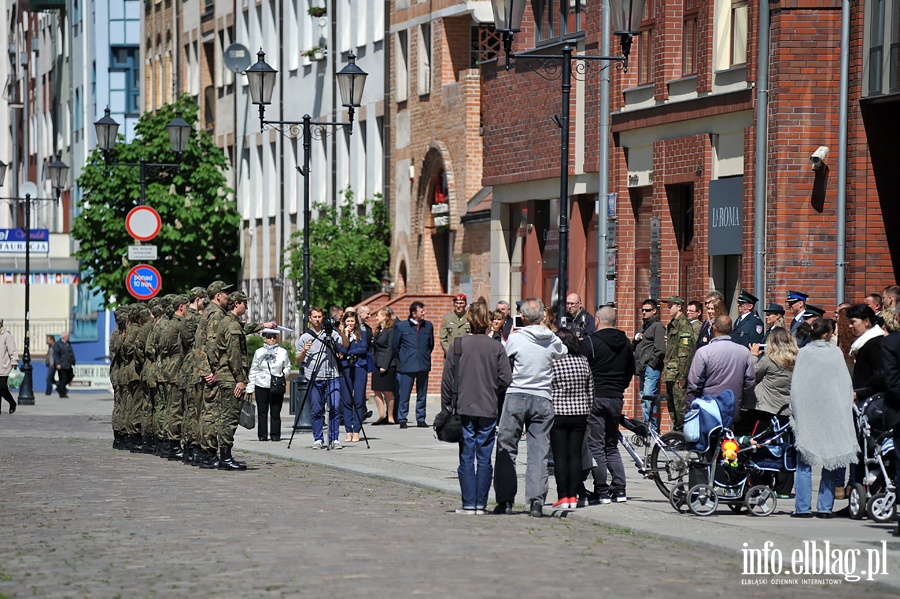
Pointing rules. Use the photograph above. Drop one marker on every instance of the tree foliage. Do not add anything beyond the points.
(199, 239)
(348, 251)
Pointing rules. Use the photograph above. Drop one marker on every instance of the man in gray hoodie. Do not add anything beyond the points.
(531, 350)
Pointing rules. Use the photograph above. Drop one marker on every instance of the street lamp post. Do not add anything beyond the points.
(351, 81)
(626, 20)
(59, 174)
(179, 135)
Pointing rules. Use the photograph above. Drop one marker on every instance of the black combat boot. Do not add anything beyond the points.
(226, 462)
(196, 456)
(135, 443)
(209, 459)
(176, 453)
(147, 444)
(187, 454)
(116, 441)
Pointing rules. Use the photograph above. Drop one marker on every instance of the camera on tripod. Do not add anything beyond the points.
(329, 324)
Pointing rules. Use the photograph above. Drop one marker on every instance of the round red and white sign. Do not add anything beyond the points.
(143, 223)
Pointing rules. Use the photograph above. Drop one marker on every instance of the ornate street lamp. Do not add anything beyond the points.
(351, 82)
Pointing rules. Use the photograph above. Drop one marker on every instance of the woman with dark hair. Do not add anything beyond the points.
(866, 351)
(821, 418)
(356, 374)
(487, 370)
(572, 393)
(384, 377)
(844, 334)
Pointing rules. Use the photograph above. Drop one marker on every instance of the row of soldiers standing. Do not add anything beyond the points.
(179, 368)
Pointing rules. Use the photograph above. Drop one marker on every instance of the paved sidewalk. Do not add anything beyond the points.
(413, 456)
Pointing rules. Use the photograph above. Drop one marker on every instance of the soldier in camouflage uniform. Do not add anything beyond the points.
(232, 376)
(171, 356)
(150, 334)
(193, 385)
(115, 372)
(132, 351)
(205, 368)
(680, 347)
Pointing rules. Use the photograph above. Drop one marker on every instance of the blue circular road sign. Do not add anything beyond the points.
(143, 282)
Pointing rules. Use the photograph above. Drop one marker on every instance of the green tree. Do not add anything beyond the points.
(199, 239)
(347, 251)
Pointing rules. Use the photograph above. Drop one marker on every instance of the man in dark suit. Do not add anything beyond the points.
(508, 322)
(748, 328)
(796, 301)
(413, 343)
(64, 360)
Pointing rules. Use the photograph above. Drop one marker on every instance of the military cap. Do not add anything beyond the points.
(237, 296)
(195, 293)
(776, 308)
(675, 299)
(156, 306)
(178, 299)
(813, 311)
(796, 296)
(746, 297)
(217, 287)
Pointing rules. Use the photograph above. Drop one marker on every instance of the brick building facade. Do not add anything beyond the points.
(683, 141)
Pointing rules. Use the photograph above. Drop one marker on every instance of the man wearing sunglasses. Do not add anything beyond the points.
(649, 351)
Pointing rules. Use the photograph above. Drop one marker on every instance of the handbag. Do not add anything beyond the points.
(248, 414)
(447, 424)
(277, 384)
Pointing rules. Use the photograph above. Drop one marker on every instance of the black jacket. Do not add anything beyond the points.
(890, 347)
(867, 373)
(612, 362)
(383, 349)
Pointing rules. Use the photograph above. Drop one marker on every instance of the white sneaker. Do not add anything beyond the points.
(318, 445)
(620, 499)
(336, 445)
(467, 512)
(605, 500)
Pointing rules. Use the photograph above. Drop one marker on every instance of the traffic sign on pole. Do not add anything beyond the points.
(143, 223)
(143, 282)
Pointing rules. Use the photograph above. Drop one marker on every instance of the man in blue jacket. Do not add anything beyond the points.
(413, 343)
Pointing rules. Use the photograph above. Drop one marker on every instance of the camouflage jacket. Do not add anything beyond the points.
(205, 355)
(189, 325)
(170, 356)
(680, 347)
(231, 349)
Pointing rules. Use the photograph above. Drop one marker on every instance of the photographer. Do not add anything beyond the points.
(320, 367)
(356, 367)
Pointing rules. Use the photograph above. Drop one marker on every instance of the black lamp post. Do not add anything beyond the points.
(351, 80)
(626, 22)
(179, 135)
(58, 173)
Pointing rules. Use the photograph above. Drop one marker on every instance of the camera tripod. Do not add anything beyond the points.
(328, 345)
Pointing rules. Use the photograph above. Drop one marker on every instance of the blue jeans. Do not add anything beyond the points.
(476, 447)
(649, 388)
(353, 399)
(406, 385)
(322, 392)
(803, 488)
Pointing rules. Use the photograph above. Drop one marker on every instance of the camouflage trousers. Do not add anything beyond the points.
(159, 408)
(193, 404)
(677, 404)
(132, 398)
(209, 417)
(148, 395)
(229, 412)
(173, 412)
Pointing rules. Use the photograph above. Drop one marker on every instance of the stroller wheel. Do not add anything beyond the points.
(880, 508)
(702, 500)
(857, 497)
(760, 500)
(678, 498)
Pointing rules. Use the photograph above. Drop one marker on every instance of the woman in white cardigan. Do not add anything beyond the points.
(268, 361)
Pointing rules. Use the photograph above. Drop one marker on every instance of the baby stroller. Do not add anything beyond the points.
(874, 494)
(734, 471)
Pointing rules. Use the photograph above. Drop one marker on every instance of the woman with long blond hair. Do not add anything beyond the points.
(384, 376)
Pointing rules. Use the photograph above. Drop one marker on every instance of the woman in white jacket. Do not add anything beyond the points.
(268, 361)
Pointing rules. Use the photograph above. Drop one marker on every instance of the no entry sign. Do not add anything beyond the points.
(143, 282)
(143, 223)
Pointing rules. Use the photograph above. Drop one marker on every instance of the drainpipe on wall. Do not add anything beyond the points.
(603, 188)
(840, 258)
(762, 143)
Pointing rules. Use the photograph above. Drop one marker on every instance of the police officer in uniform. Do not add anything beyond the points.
(796, 301)
(680, 347)
(748, 327)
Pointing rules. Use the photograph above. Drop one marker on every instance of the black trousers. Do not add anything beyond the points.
(4, 389)
(566, 441)
(268, 406)
(65, 377)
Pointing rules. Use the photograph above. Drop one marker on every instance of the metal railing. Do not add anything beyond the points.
(40, 328)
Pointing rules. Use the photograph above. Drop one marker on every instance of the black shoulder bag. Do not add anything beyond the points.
(277, 384)
(447, 424)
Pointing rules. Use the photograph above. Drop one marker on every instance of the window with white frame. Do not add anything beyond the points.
(423, 59)
(739, 17)
(881, 65)
(646, 43)
(401, 66)
(689, 37)
(557, 19)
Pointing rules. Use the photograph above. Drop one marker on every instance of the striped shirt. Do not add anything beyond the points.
(573, 386)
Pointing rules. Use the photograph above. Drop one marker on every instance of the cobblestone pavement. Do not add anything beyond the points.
(79, 519)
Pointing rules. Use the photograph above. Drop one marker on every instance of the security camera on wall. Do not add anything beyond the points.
(818, 157)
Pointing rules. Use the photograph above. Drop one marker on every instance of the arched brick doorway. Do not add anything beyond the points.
(435, 202)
